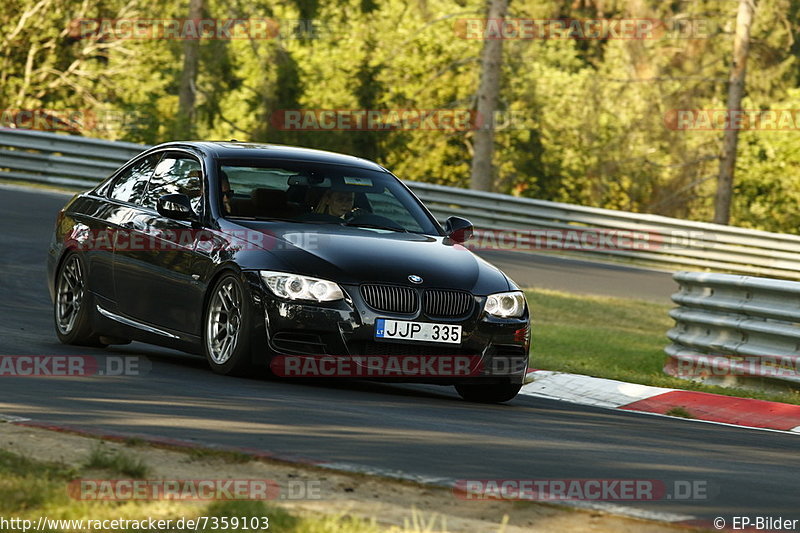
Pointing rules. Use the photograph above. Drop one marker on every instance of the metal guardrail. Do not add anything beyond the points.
(730, 327)
(540, 225)
(61, 159)
(668, 242)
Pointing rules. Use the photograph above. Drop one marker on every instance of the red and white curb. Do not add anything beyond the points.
(702, 406)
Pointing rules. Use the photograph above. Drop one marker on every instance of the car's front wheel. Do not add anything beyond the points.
(226, 332)
(73, 304)
(489, 393)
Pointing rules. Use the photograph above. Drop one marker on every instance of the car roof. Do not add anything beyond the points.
(250, 151)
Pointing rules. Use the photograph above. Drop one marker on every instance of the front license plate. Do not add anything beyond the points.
(417, 331)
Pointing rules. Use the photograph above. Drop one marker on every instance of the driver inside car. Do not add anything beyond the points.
(336, 203)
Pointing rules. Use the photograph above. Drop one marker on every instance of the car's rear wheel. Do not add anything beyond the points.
(73, 304)
(227, 326)
(489, 393)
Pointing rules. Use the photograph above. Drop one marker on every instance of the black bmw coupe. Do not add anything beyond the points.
(252, 253)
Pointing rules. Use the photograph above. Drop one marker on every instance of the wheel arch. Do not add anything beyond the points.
(224, 269)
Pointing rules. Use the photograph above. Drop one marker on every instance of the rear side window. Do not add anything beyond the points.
(130, 185)
(176, 173)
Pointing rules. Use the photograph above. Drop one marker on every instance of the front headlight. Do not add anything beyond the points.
(296, 287)
(505, 304)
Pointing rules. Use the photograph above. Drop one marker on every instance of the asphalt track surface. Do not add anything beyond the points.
(415, 429)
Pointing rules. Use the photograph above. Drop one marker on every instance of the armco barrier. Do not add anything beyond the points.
(674, 243)
(60, 159)
(730, 327)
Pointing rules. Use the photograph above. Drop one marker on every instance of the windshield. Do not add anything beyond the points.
(320, 194)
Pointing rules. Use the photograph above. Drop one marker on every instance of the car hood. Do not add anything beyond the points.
(352, 255)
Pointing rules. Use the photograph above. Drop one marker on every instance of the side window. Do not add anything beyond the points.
(131, 183)
(176, 174)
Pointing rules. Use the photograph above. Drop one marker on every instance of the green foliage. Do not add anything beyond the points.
(767, 189)
(587, 116)
(679, 411)
(116, 462)
(28, 484)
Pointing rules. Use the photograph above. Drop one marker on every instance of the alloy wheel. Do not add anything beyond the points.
(69, 295)
(224, 322)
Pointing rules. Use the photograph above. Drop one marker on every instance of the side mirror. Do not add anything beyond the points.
(175, 206)
(458, 229)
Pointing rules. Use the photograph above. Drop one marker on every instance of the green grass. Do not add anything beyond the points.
(614, 338)
(680, 412)
(225, 456)
(28, 484)
(134, 442)
(116, 462)
(30, 489)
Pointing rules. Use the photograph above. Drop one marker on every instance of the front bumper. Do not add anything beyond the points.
(497, 348)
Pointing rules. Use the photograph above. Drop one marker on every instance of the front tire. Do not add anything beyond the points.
(226, 329)
(489, 393)
(73, 304)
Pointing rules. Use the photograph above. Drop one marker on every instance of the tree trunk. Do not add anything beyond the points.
(188, 93)
(482, 171)
(741, 46)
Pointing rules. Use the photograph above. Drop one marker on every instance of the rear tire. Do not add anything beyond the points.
(489, 393)
(74, 305)
(226, 328)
